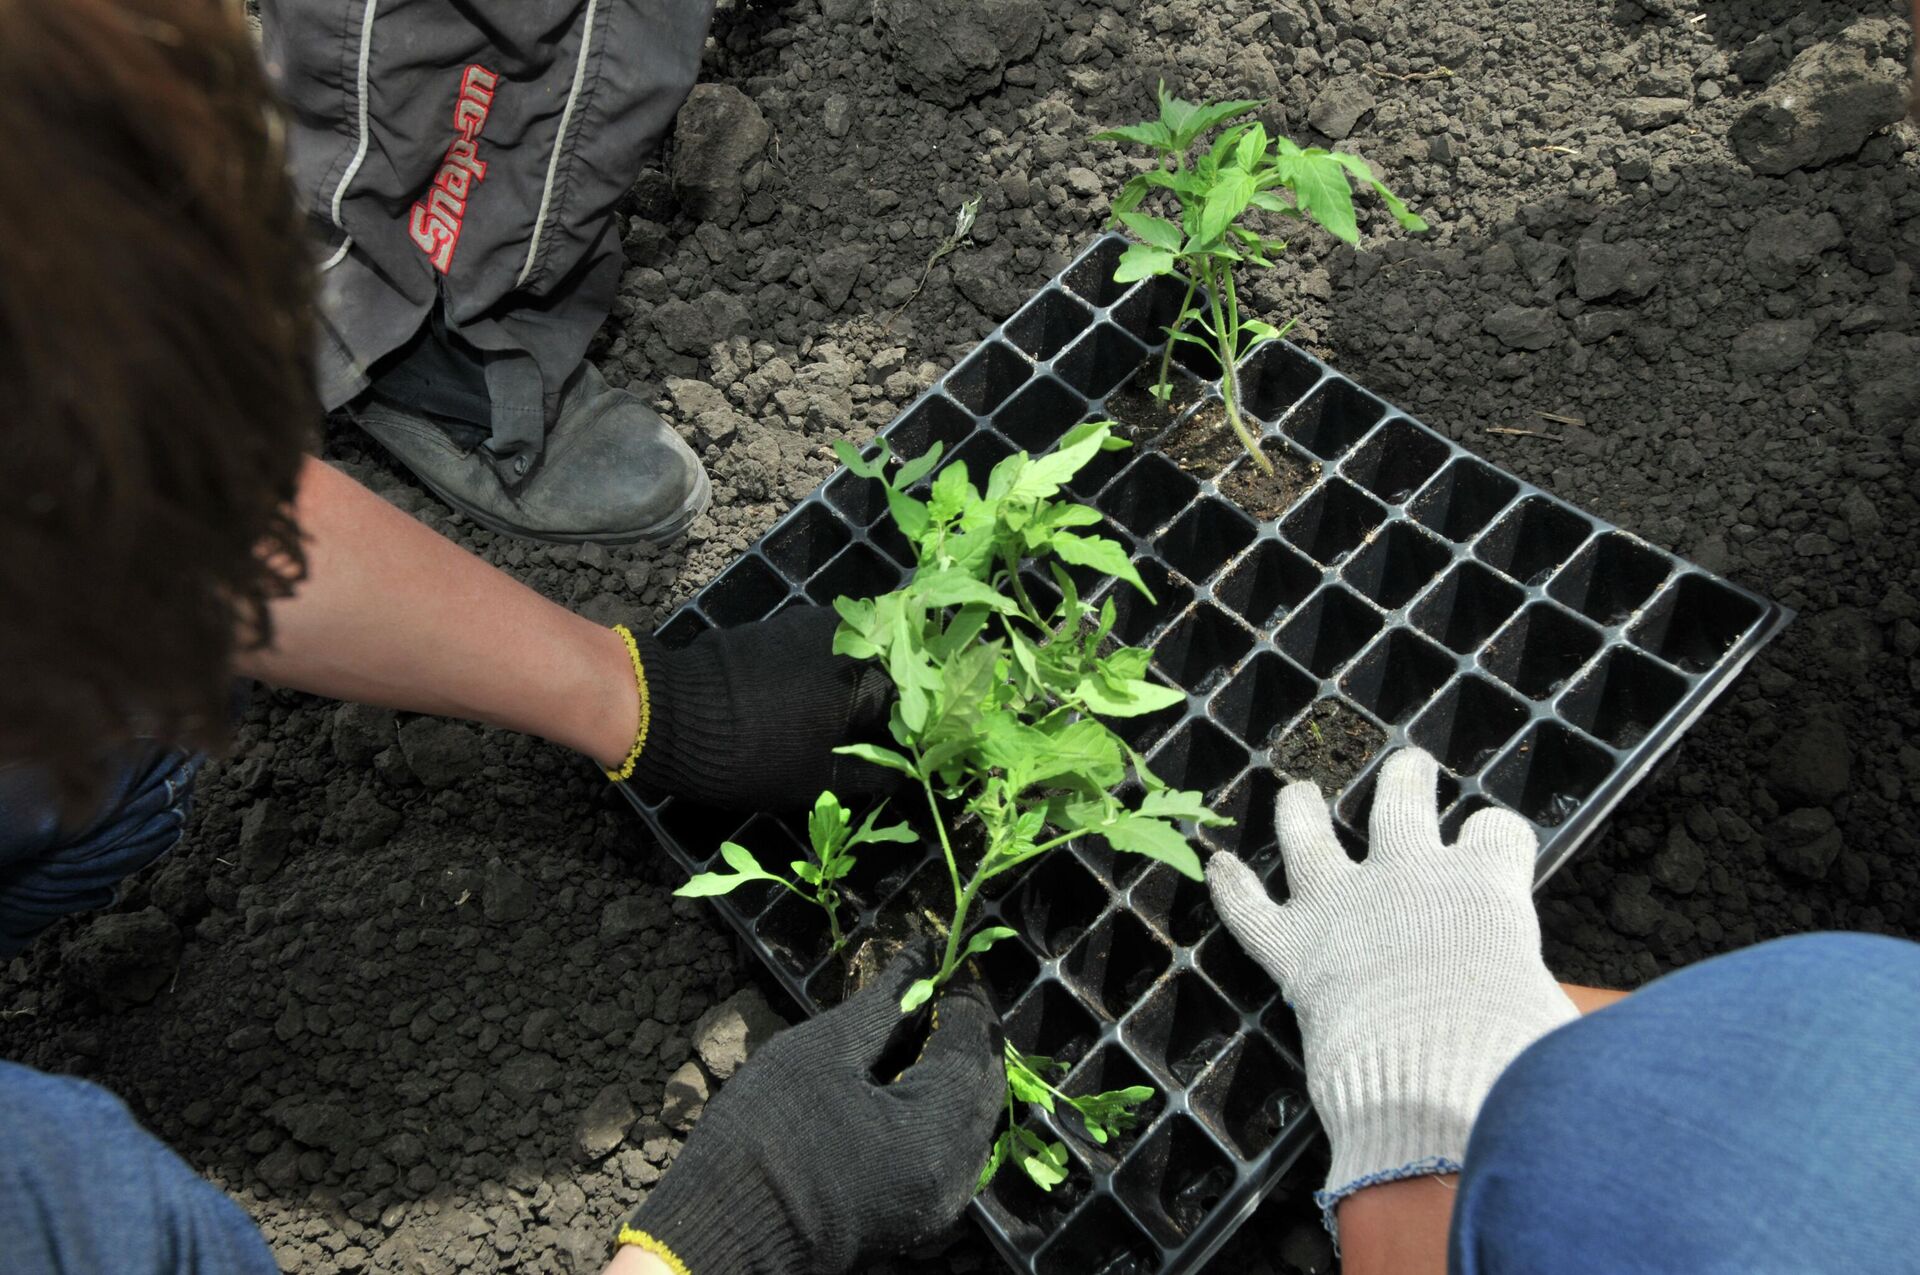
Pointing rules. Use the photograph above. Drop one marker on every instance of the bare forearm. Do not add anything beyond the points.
(395, 615)
(633, 1261)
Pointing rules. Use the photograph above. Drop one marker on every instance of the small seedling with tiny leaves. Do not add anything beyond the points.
(832, 834)
(1240, 172)
(1104, 1116)
(1001, 700)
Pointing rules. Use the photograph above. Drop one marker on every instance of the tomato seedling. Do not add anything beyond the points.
(1103, 1115)
(1001, 700)
(1238, 173)
(832, 834)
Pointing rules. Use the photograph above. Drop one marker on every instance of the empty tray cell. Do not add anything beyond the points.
(1175, 904)
(1466, 607)
(1549, 774)
(934, 419)
(699, 829)
(861, 571)
(1180, 1028)
(1397, 565)
(1468, 723)
(888, 537)
(1117, 963)
(1149, 495)
(1536, 536)
(1455, 819)
(1039, 414)
(1274, 378)
(682, 629)
(1396, 460)
(1398, 675)
(1204, 538)
(748, 590)
(1329, 523)
(1056, 904)
(858, 500)
(1199, 756)
(1262, 697)
(1330, 745)
(1328, 630)
(1624, 698)
(1101, 1240)
(1333, 418)
(1463, 499)
(1611, 578)
(1227, 965)
(1540, 650)
(794, 930)
(1098, 361)
(1251, 1094)
(1091, 277)
(1176, 1178)
(1267, 583)
(1198, 359)
(1695, 622)
(1008, 969)
(879, 869)
(1249, 804)
(1136, 616)
(1153, 305)
(1202, 648)
(1051, 1021)
(988, 377)
(1048, 323)
(806, 542)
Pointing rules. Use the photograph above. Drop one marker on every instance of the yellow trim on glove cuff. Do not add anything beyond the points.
(647, 1244)
(646, 714)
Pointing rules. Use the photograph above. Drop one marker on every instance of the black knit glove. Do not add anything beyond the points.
(805, 1161)
(749, 717)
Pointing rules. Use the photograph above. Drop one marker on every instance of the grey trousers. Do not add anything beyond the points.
(470, 153)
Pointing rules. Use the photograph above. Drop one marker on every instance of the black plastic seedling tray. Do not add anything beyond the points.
(1409, 592)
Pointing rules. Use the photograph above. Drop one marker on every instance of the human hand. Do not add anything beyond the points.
(1416, 975)
(806, 1160)
(749, 716)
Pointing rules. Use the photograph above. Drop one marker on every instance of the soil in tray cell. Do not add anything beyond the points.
(1267, 496)
(1330, 745)
(1137, 413)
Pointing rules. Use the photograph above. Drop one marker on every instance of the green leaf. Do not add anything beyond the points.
(909, 514)
(850, 457)
(1002, 1147)
(880, 757)
(1225, 202)
(1154, 230)
(741, 859)
(1142, 260)
(1044, 1162)
(1156, 839)
(1027, 1087)
(1131, 698)
(869, 834)
(920, 466)
(958, 588)
(1153, 134)
(1408, 219)
(1106, 1115)
(917, 995)
(827, 825)
(805, 872)
(986, 938)
(1252, 145)
(1320, 186)
(1102, 554)
(708, 884)
(1171, 803)
(1205, 118)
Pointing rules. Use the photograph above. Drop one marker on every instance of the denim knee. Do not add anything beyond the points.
(49, 870)
(1755, 1112)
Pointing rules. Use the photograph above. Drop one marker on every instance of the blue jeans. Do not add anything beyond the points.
(84, 1189)
(50, 868)
(1759, 1112)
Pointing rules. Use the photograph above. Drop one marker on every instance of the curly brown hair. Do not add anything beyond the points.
(156, 389)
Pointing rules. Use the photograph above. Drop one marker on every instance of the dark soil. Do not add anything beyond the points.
(1330, 745)
(1138, 414)
(401, 959)
(1265, 495)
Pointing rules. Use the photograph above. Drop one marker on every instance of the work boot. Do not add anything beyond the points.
(611, 471)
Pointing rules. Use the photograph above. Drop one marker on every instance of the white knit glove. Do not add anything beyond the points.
(1416, 975)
